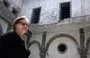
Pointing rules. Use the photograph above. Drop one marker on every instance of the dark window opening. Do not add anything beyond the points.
(35, 15)
(6, 3)
(65, 10)
(15, 11)
(62, 48)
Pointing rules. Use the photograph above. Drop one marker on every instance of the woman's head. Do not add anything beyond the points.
(21, 24)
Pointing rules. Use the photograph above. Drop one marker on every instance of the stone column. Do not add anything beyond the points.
(43, 49)
(82, 50)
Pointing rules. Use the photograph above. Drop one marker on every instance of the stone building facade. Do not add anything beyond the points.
(60, 28)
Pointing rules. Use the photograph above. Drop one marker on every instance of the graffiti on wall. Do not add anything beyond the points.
(49, 16)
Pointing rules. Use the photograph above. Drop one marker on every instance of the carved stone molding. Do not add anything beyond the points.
(62, 35)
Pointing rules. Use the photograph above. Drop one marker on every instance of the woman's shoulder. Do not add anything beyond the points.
(6, 38)
(9, 33)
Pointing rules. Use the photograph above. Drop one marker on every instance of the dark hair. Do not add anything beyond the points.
(17, 20)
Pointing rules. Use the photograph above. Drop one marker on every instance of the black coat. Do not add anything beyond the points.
(12, 46)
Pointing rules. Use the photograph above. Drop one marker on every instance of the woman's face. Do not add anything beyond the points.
(22, 27)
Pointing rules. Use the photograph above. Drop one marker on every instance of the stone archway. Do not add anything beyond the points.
(62, 35)
(53, 43)
(33, 42)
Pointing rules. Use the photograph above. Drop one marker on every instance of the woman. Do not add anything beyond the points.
(12, 44)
